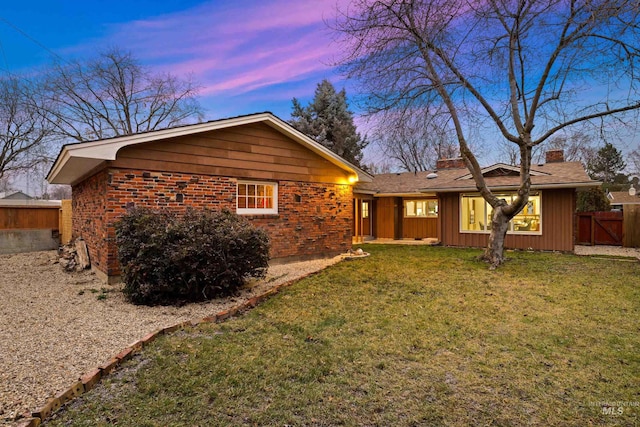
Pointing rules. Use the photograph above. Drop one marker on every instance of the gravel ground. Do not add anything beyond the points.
(56, 326)
(607, 250)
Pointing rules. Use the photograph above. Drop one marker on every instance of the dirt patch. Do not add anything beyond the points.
(57, 326)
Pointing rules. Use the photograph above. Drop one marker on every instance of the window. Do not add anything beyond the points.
(257, 198)
(365, 209)
(475, 214)
(420, 208)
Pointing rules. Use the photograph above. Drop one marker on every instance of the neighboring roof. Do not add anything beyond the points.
(78, 159)
(623, 198)
(498, 177)
(15, 195)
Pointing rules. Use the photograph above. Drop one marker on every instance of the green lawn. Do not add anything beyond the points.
(412, 335)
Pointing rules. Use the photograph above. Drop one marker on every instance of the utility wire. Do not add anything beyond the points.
(4, 58)
(25, 34)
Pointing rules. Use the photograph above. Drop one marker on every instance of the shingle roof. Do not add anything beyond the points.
(549, 175)
(623, 198)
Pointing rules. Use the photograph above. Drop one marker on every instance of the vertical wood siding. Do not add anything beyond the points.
(557, 218)
(384, 218)
(419, 228)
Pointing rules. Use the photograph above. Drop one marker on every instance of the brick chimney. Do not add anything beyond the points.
(456, 163)
(554, 156)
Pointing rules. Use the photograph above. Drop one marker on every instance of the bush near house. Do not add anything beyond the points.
(168, 258)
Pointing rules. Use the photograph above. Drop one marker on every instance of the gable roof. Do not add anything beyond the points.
(16, 194)
(502, 170)
(549, 175)
(79, 159)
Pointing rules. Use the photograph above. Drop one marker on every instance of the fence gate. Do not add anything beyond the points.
(600, 228)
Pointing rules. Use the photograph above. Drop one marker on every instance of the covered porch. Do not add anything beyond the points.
(395, 217)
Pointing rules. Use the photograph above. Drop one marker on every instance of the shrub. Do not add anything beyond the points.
(170, 259)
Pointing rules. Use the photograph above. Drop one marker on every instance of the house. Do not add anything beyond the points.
(444, 204)
(256, 165)
(620, 199)
(14, 195)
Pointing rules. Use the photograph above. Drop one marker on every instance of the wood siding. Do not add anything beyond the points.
(384, 220)
(631, 226)
(251, 152)
(557, 222)
(390, 222)
(413, 228)
(21, 218)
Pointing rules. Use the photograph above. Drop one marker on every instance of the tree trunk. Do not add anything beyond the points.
(494, 252)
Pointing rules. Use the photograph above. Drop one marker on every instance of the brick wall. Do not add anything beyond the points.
(89, 199)
(554, 156)
(456, 163)
(314, 219)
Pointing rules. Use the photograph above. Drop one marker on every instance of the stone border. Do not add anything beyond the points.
(92, 378)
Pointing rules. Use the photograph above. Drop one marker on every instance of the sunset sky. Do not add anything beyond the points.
(248, 55)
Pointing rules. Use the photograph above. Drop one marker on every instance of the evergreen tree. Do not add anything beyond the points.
(606, 165)
(593, 200)
(328, 121)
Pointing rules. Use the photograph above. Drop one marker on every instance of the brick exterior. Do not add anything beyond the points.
(314, 219)
(554, 156)
(456, 163)
(89, 199)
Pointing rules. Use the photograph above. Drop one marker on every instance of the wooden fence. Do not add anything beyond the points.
(65, 222)
(609, 228)
(37, 215)
(631, 226)
(29, 217)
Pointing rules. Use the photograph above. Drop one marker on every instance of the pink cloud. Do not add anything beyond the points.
(274, 73)
(237, 47)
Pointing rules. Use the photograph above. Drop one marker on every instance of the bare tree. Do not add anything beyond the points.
(59, 192)
(415, 140)
(113, 95)
(24, 134)
(527, 68)
(577, 147)
(634, 161)
(5, 184)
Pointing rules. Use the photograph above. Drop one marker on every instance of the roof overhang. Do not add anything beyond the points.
(576, 185)
(416, 194)
(76, 161)
(366, 192)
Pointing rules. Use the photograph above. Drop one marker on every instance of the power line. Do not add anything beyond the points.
(4, 57)
(26, 35)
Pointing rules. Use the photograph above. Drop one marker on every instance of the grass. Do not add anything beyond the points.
(411, 335)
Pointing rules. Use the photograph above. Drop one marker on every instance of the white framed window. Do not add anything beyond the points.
(420, 208)
(256, 198)
(475, 214)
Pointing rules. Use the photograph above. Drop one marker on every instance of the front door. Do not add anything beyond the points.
(366, 218)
